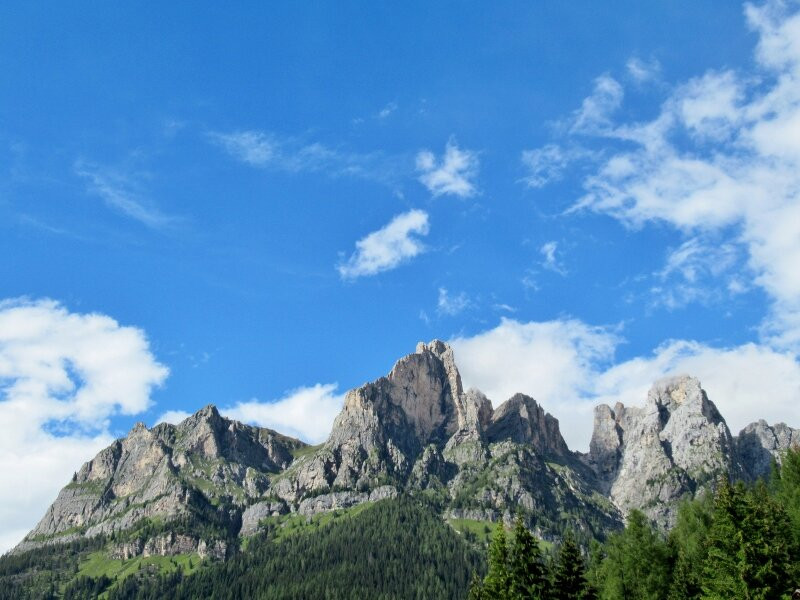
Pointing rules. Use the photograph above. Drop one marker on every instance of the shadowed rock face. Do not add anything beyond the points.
(759, 444)
(521, 420)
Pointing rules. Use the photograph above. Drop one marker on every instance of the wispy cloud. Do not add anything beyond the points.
(594, 115)
(551, 262)
(387, 110)
(120, 192)
(453, 174)
(388, 247)
(642, 71)
(252, 147)
(296, 155)
(451, 304)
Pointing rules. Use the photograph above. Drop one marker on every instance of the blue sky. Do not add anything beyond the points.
(262, 208)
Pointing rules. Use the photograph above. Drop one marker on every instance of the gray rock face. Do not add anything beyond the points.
(384, 426)
(758, 444)
(166, 472)
(170, 544)
(416, 429)
(521, 420)
(648, 458)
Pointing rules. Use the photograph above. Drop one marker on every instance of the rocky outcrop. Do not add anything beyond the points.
(166, 472)
(384, 427)
(759, 444)
(170, 544)
(520, 419)
(648, 458)
(417, 429)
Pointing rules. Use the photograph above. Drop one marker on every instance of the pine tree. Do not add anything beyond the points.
(725, 564)
(569, 578)
(636, 563)
(497, 586)
(750, 546)
(785, 482)
(687, 542)
(526, 567)
(476, 591)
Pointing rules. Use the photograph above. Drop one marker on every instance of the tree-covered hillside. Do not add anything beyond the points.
(392, 549)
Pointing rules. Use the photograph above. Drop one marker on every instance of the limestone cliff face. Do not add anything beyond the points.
(166, 472)
(649, 457)
(417, 429)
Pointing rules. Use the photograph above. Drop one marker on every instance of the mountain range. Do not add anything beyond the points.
(207, 482)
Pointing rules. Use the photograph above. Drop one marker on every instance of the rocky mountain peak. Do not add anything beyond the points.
(652, 455)
(522, 420)
(165, 472)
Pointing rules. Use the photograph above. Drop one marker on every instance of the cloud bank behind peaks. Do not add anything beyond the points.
(569, 367)
(388, 247)
(306, 412)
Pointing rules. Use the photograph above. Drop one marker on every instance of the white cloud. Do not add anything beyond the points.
(553, 361)
(451, 304)
(693, 271)
(63, 374)
(567, 366)
(545, 165)
(120, 192)
(387, 110)
(252, 147)
(306, 412)
(453, 174)
(642, 71)
(723, 156)
(594, 114)
(295, 155)
(551, 262)
(387, 247)
(173, 417)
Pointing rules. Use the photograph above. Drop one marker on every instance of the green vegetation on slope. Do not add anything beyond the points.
(391, 549)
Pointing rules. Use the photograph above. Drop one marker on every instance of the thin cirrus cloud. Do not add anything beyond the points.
(295, 155)
(452, 304)
(549, 251)
(642, 71)
(57, 396)
(388, 247)
(120, 192)
(734, 174)
(452, 174)
(699, 270)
